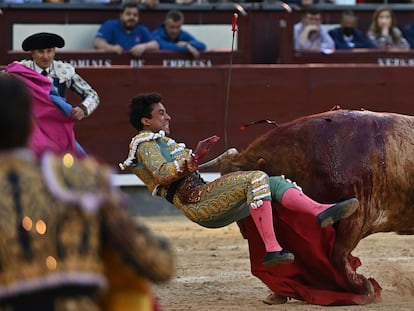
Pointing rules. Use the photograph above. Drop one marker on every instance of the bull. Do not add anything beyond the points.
(336, 155)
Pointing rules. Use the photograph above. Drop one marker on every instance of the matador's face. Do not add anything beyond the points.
(160, 119)
(43, 57)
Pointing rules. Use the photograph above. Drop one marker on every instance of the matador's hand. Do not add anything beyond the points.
(191, 164)
(77, 113)
(204, 146)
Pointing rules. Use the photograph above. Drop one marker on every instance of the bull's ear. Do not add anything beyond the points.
(261, 164)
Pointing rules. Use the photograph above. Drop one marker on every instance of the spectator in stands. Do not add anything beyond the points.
(309, 35)
(155, 3)
(94, 1)
(386, 1)
(148, 3)
(20, 1)
(384, 32)
(300, 4)
(125, 34)
(60, 220)
(177, 1)
(348, 36)
(171, 37)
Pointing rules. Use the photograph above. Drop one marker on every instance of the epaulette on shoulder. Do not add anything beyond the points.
(26, 62)
(77, 181)
(64, 71)
(135, 141)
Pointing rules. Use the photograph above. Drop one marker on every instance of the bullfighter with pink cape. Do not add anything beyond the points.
(53, 128)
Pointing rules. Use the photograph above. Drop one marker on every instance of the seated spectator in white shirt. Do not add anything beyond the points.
(309, 35)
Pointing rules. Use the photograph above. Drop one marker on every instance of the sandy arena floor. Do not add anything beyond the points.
(213, 271)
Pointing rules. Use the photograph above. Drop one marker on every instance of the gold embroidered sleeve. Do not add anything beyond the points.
(149, 255)
(163, 172)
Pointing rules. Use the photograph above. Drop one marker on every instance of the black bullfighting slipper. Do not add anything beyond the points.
(337, 212)
(277, 258)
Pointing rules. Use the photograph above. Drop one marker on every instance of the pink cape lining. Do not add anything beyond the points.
(52, 129)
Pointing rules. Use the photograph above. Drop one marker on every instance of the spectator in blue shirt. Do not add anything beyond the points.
(125, 34)
(347, 36)
(171, 37)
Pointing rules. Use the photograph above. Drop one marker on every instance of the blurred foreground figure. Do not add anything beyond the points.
(64, 228)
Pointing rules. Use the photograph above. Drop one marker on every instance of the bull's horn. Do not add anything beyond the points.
(217, 160)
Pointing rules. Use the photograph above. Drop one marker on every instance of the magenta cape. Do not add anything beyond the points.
(53, 127)
(312, 277)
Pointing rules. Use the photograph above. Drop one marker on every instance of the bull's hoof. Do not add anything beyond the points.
(275, 299)
(337, 212)
(278, 258)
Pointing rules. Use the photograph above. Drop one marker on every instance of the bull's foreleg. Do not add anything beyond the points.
(345, 243)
